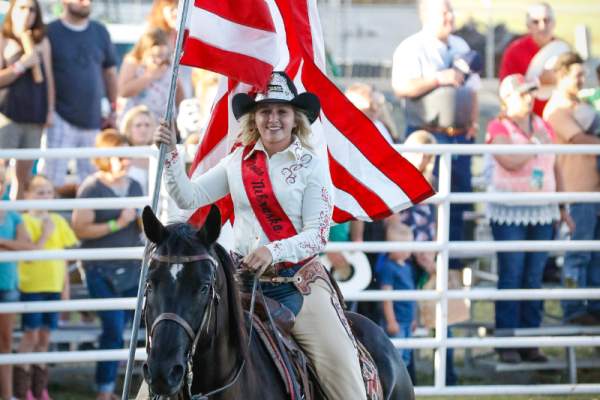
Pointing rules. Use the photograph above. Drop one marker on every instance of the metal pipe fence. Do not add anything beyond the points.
(446, 249)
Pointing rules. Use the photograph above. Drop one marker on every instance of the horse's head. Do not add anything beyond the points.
(181, 297)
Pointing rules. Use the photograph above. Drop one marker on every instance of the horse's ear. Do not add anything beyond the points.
(212, 226)
(153, 228)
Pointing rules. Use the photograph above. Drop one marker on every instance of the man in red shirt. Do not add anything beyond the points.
(518, 55)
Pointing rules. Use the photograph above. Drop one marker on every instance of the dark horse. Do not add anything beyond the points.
(198, 342)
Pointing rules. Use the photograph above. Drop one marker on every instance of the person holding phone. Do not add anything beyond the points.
(145, 76)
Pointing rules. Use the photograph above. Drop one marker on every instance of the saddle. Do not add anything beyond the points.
(283, 318)
(303, 375)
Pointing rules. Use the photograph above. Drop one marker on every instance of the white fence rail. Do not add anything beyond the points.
(442, 245)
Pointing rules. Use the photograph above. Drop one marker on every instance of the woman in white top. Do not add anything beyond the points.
(281, 193)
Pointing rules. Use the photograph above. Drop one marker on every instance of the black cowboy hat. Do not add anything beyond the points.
(280, 89)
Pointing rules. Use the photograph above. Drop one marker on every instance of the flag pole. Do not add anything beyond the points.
(168, 117)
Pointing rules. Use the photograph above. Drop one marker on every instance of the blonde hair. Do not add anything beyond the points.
(150, 38)
(156, 17)
(249, 131)
(132, 114)
(423, 137)
(36, 180)
(398, 229)
(360, 94)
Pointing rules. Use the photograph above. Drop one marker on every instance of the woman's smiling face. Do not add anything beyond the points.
(275, 122)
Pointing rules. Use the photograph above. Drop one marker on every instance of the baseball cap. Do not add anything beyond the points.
(516, 83)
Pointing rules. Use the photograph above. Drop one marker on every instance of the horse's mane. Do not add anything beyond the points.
(179, 234)
(236, 315)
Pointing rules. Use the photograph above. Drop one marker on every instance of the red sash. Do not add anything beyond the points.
(255, 175)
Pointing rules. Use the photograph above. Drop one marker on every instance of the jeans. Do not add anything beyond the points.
(9, 296)
(520, 270)
(582, 268)
(113, 324)
(451, 378)
(33, 321)
(405, 332)
(285, 293)
(460, 182)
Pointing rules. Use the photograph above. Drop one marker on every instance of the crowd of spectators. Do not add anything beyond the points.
(61, 72)
(434, 72)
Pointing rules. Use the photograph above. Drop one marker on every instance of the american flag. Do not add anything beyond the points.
(245, 40)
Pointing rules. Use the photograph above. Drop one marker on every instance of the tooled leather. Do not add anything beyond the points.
(267, 340)
(310, 273)
(283, 317)
(369, 373)
(296, 356)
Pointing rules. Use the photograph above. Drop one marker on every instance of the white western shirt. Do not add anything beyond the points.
(300, 181)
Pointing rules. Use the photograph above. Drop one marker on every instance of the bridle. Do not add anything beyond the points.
(211, 308)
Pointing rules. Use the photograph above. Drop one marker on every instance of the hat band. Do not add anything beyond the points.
(273, 95)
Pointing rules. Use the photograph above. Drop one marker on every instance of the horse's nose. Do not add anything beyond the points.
(164, 380)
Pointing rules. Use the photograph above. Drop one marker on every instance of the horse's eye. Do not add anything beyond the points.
(204, 288)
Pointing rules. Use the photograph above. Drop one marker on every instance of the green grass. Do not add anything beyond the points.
(569, 14)
(512, 397)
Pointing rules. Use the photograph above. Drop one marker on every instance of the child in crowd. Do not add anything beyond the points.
(395, 271)
(13, 236)
(137, 126)
(41, 280)
(145, 75)
(421, 217)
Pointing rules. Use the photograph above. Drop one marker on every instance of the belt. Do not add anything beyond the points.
(278, 267)
(284, 265)
(449, 131)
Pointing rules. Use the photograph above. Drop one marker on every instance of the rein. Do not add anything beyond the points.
(195, 336)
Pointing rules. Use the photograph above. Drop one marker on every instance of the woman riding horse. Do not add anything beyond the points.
(281, 194)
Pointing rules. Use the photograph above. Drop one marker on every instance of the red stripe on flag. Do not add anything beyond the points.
(339, 216)
(359, 130)
(366, 198)
(251, 13)
(291, 39)
(225, 206)
(215, 132)
(237, 66)
(299, 15)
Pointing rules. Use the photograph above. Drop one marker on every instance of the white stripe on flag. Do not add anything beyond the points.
(344, 201)
(213, 157)
(282, 49)
(317, 36)
(224, 34)
(345, 153)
